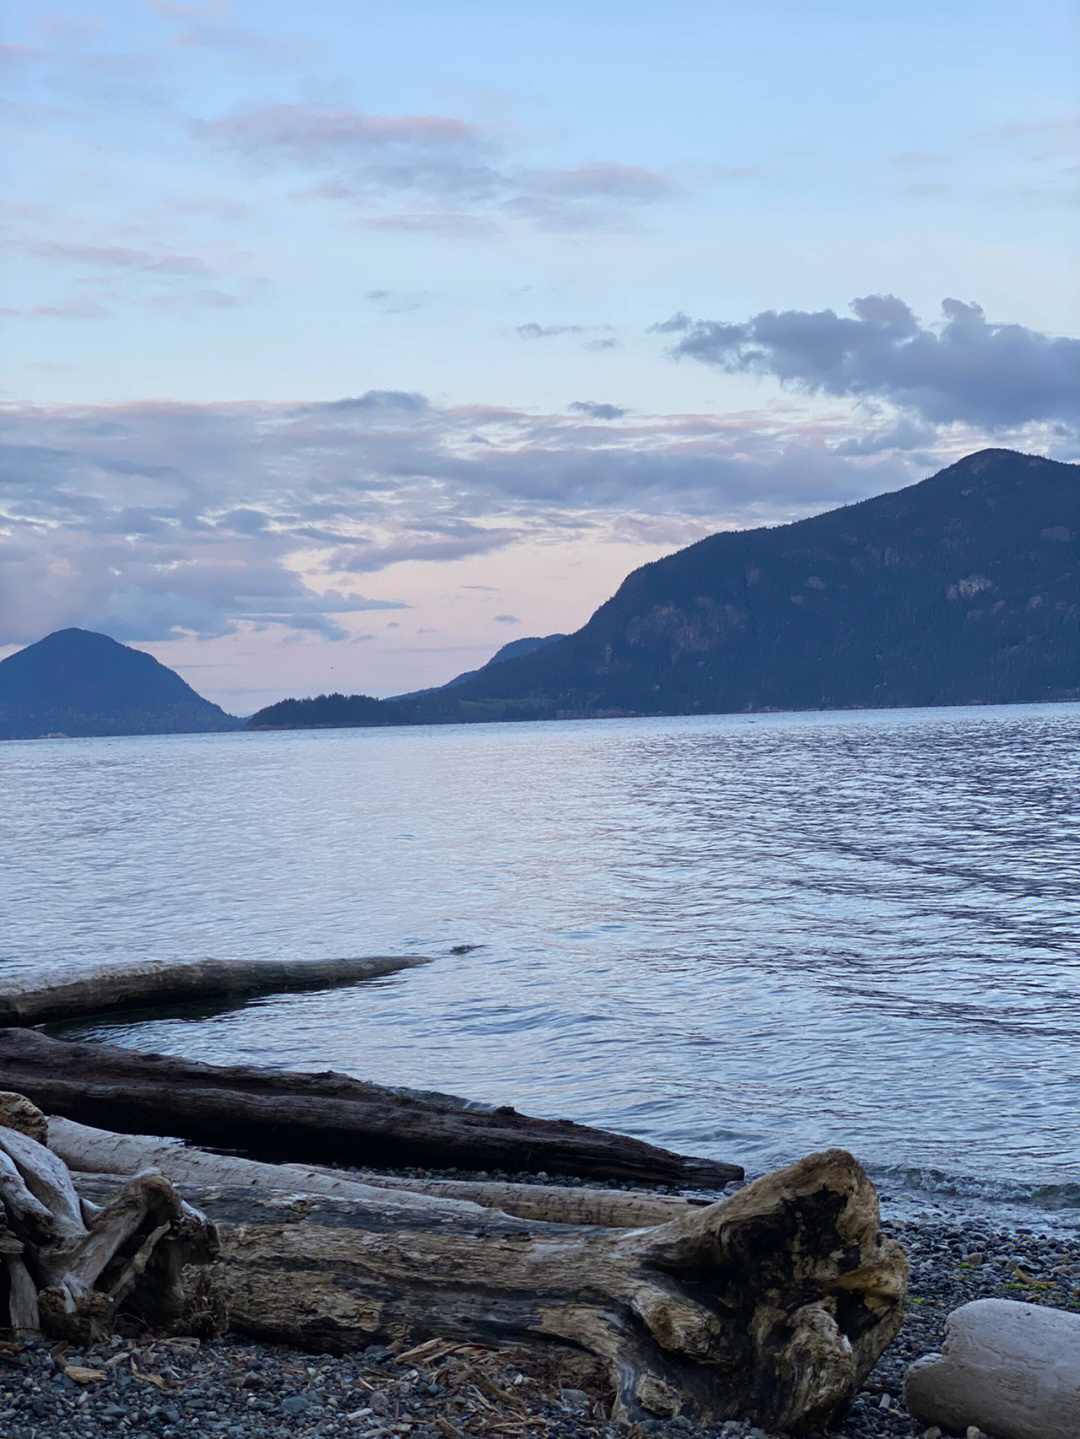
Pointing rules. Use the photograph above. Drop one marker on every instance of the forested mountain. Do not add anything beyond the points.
(964, 588)
(75, 682)
(512, 650)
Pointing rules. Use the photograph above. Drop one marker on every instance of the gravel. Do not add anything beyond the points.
(137, 1386)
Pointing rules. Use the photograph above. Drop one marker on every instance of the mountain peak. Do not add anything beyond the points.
(80, 682)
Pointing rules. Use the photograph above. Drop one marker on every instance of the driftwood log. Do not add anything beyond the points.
(163, 982)
(320, 1118)
(66, 1265)
(83, 1148)
(773, 1304)
(1009, 1368)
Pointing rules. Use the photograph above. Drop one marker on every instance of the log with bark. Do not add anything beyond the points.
(773, 1304)
(321, 1118)
(1008, 1368)
(165, 982)
(66, 1265)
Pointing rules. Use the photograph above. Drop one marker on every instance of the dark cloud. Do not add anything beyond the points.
(597, 412)
(967, 369)
(370, 402)
(506, 619)
(673, 326)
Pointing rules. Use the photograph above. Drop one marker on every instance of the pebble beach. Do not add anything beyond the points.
(145, 1387)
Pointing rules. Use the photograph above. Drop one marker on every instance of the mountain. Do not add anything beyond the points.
(74, 682)
(513, 650)
(961, 589)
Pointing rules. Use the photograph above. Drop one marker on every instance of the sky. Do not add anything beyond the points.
(346, 343)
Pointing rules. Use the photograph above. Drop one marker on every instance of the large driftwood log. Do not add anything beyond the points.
(66, 1266)
(1008, 1368)
(319, 1118)
(772, 1304)
(180, 981)
(97, 1151)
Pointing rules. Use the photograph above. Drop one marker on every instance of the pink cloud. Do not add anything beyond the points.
(311, 134)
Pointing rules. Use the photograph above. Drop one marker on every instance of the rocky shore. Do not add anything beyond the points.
(142, 1387)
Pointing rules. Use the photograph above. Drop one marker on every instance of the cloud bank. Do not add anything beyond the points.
(154, 519)
(966, 370)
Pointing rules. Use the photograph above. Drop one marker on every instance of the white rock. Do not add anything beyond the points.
(1009, 1368)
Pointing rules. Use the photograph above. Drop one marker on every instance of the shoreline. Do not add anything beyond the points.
(242, 1389)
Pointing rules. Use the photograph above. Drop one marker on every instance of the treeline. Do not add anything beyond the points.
(326, 712)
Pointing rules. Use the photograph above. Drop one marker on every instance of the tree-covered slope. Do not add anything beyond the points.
(75, 682)
(964, 588)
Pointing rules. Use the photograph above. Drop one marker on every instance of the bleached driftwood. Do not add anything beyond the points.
(772, 1304)
(65, 1267)
(177, 981)
(98, 1151)
(320, 1118)
(1008, 1368)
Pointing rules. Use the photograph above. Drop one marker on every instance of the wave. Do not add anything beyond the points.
(924, 1181)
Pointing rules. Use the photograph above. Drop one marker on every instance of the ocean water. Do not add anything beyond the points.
(745, 936)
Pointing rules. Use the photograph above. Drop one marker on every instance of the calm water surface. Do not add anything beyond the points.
(743, 936)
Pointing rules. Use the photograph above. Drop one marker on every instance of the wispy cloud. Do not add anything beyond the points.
(918, 159)
(311, 135)
(114, 257)
(152, 518)
(455, 172)
(533, 331)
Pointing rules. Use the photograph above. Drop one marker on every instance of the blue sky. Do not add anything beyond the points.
(345, 343)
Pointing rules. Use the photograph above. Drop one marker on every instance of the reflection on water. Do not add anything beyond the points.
(747, 936)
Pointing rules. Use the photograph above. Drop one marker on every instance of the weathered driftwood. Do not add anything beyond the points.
(66, 1266)
(97, 1151)
(319, 1118)
(772, 1304)
(163, 982)
(1008, 1368)
(16, 1112)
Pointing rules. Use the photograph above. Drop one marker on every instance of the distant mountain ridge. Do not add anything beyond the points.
(961, 589)
(512, 650)
(76, 682)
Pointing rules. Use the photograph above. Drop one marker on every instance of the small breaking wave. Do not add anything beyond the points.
(909, 1190)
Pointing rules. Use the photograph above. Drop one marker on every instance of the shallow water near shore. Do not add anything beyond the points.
(742, 936)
